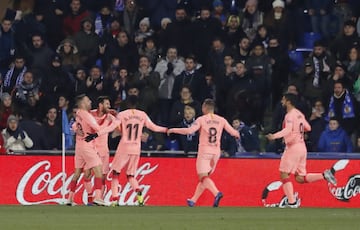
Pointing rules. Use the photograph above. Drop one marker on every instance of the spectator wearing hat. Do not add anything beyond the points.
(319, 12)
(342, 45)
(205, 30)
(15, 138)
(14, 75)
(313, 88)
(144, 31)
(72, 21)
(218, 12)
(334, 139)
(69, 54)
(339, 75)
(88, 43)
(7, 107)
(103, 19)
(252, 17)
(279, 24)
(56, 82)
(130, 17)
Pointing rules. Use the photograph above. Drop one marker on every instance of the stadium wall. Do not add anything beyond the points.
(30, 180)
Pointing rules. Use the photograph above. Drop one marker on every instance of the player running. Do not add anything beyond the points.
(211, 127)
(293, 160)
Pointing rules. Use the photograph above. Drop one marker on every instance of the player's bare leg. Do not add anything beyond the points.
(88, 186)
(288, 189)
(198, 191)
(97, 185)
(135, 185)
(72, 186)
(209, 184)
(115, 188)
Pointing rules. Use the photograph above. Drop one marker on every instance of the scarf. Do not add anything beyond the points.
(7, 80)
(98, 25)
(189, 137)
(347, 108)
(316, 72)
(239, 147)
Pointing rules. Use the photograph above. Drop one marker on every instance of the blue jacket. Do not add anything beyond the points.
(334, 141)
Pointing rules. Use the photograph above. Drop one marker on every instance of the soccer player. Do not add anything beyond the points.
(211, 127)
(293, 160)
(103, 116)
(128, 151)
(86, 155)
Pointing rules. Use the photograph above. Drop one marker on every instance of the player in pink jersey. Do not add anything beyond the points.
(293, 160)
(210, 127)
(86, 155)
(103, 116)
(128, 151)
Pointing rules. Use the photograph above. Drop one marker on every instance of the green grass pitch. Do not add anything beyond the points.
(51, 217)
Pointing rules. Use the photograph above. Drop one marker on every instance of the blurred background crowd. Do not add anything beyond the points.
(173, 54)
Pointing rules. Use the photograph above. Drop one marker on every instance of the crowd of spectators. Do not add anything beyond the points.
(174, 54)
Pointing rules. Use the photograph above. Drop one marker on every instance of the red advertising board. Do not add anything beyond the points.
(31, 180)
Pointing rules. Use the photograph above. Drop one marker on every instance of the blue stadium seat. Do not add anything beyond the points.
(308, 39)
(297, 60)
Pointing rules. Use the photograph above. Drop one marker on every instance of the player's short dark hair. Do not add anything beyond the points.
(101, 99)
(132, 101)
(291, 97)
(209, 103)
(79, 98)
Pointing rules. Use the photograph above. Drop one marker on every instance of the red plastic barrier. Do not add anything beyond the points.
(31, 180)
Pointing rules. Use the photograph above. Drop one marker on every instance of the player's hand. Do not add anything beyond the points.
(91, 136)
(270, 137)
(169, 131)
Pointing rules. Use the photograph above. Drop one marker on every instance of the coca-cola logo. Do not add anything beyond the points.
(351, 189)
(40, 185)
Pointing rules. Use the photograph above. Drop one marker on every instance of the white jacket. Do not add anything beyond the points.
(16, 144)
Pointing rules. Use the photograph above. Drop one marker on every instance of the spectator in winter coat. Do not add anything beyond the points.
(15, 138)
(334, 139)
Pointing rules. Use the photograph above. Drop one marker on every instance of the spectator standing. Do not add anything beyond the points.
(189, 142)
(148, 82)
(169, 67)
(130, 17)
(319, 12)
(252, 17)
(87, 42)
(349, 38)
(69, 55)
(52, 129)
(318, 124)
(72, 21)
(7, 44)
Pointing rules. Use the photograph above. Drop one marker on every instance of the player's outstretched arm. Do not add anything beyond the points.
(153, 127)
(233, 132)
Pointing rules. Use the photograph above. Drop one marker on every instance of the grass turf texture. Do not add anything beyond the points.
(51, 217)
